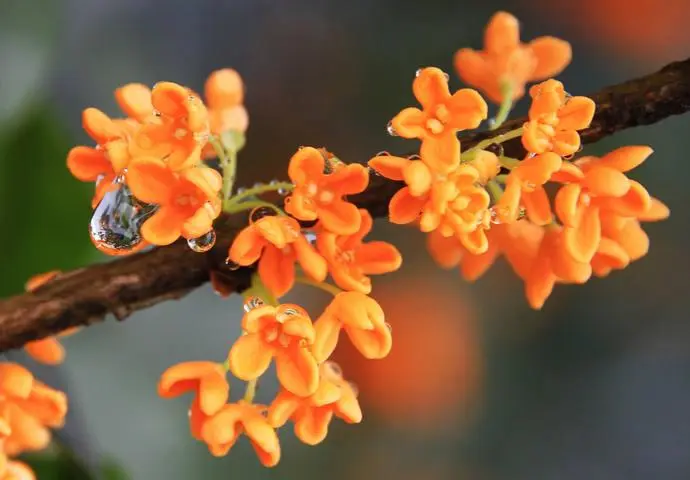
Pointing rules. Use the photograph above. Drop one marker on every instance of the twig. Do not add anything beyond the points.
(126, 285)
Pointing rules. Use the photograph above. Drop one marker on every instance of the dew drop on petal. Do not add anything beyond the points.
(496, 149)
(232, 265)
(522, 213)
(274, 182)
(389, 327)
(310, 237)
(258, 185)
(391, 130)
(383, 153)
(447, 77)
(251, 303)
(282, 191)
(372, 171)
(203, 243)
(260, 212)
(418, 72)
(414, 157)
(494, 216)
(240, 191)
(116, 222)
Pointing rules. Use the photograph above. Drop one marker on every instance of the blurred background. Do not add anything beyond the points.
(478, 386)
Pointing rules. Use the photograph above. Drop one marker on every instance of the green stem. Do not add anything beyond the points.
(326, 287)
(501, 178)
(506, 105)
(508, 162)
(231, 207)
(258, 190)
(228, 162)
(250, 390)
(494, 190)
(497, 139)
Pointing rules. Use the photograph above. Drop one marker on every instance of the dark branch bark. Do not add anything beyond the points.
(126, 285)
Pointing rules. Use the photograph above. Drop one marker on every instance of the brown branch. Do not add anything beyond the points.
(126, 285)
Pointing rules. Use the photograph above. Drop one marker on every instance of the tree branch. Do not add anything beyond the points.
(126, 285)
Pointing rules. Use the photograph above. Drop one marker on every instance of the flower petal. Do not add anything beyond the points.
(612, 254)
(306, 165)
(340, 217)
(327, 329)
(657, 211)
(170, 99)
(313, 264)
(214, 391)
(297, 371)
(625, 159)
(48, 351)
(441, 153)
(277, 270)
(282, 408)
(446, 251)
(99, 126)
(566, 142)
(474, 69)
(502, 33)
(347, 180)
(537, 206)
(135, 100)
(375, 258)
(417, 177)
(312, 427)
(475, 241)
(430, 87)
(163, 227)
(249, 357)
(410, 123)
(389, 166)
(404, 208)
(467, 109)
(372, 344)
(347, 408)
(552, 55)
(151, 180)
(576, 114)
(263, 438)
(87, 163)
(567, 204)
(540, 283)
(568, 173)
(247, 246)
(582, 240)
(223, 89)
(474, 266)
(635, 202)
(15, 380)
(605, 181)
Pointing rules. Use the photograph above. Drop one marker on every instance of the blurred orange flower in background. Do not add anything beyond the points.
(434, 370)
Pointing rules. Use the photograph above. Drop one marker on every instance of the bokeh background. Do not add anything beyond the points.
(595, 386)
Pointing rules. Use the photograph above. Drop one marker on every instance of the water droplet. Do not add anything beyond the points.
(116, 221)
(494, 216)
(569, 157)
(446, 76)
(373, 172)
(334, 368)
(414, 157)
(282, 191)
(496, 149)
(522, 213)
(258, 185)
(383, 153)
(156, 113)
(391, 130)
(203, 243)
(240, 191)
(389, 327)
(231, 265)
(580, 148)
(300, 147)
(274, 182)
(252, 302)
(260, 212)
(310, 237)
(418, 72)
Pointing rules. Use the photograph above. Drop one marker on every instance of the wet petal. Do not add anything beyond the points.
(306, 165)
(151, 180)
(441, 153)
(312, 427)
(625, 158)
(583, 240)
(249, 357)
(206, 179)
(404, 208)
(389, 166)
(86, 163)
(297, 371)
(375, 258)
(327, 393)
(135, 100)
(259, 318)
(552, 55)
(430, 87)
(247, 246)
(282, 408)
(327, 329)
(410, 123)
(163, 227)
(606, 181)
(299, 326)
(467, 109)
(340, 217)
(277, 270)
(348, 180)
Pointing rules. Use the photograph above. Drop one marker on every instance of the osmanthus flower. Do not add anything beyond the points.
(319, 195)
(109, 158)
(188, 200)
(221, 431)
(595, 186)
(555, 118)
(350, 260)
(363, 320)
(179, 131)
(313, 414)
(16, 470)
(277, 243)
(525, 186)
(224, 93)
(48, 350)
(506, 63)
(441, 117)
(135, 100)
(285, 333)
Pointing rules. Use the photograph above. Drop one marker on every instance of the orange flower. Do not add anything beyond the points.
(600, 187)
(135, 100)
(224, 96)
(188, 200)
(181, 130)
(319, 195)
(15, 381)
(18, 471)
(525, 186)
(554, 119)
(276, 242)
(443, 115)
(207, 380)
(45, 404)
(507, 61)
(455, 204)
(362, 319)
(313, 414)
(350, 260)
(284, 333)
(221, 431)
(110, 157)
